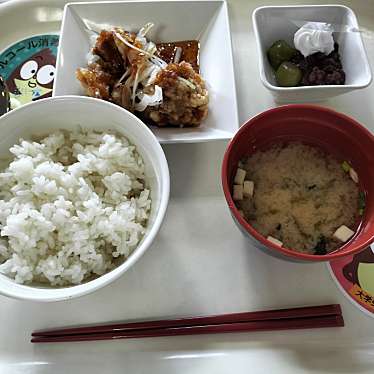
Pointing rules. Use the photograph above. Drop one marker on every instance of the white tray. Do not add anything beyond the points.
(201, 264)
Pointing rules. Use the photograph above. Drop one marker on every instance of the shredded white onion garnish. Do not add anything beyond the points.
(178, 55)
(151, 48)
(146, 72)
(145, 29)
(124, 75)
(148, 75)
(135, 86)
(150, 100)
(158, 61)
(153, 58)
(123, 40)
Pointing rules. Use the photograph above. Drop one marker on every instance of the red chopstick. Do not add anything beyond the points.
(303, 312)
(305, 317)
(267, 325)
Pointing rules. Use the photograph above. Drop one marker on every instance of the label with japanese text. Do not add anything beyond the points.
(28, 68)
(355, 275)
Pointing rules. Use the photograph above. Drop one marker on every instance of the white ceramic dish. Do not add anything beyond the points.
(272, 23)
(206, 21)
(68, 112)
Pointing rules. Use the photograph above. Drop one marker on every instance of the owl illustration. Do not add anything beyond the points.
(360, 270)
(33, 79)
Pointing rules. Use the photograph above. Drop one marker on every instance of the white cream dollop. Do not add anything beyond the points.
(314, 37)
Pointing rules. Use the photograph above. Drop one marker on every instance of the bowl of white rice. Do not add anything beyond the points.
(84, 186)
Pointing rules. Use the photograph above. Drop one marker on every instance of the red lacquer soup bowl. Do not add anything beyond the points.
(335, 133)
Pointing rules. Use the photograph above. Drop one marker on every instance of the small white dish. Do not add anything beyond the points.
(206, 21)
(69, 112)
(272, 23)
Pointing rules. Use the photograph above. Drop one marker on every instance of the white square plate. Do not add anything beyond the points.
(206, 21)
(281, 22)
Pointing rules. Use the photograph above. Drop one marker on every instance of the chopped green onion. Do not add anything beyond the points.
(346, 167)
(361, 203)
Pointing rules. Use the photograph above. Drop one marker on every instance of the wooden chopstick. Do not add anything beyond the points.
(233, 318)
(261, 325)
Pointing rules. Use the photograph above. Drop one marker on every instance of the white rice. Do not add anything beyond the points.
(73, 206)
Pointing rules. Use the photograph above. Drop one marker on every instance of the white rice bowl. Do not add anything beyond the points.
(71, 113)
(72, 206)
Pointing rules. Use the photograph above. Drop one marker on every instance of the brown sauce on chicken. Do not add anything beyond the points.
(189, 52)
(122, 65)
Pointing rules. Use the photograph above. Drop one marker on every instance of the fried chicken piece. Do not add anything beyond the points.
(123, 74)
(107, 50)
(123, 49)
(95, 81)
(185, 97)
(121, 95)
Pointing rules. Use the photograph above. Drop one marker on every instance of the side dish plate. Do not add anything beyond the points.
(206, 21)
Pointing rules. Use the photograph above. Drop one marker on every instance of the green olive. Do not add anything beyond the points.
(288, 75)
(279, 52)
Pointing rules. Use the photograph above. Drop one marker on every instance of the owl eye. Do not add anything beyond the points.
(46, 74)
(28, 69)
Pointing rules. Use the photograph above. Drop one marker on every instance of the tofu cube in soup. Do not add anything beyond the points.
(248, 187)
(237, 192)
(239, 176)
(343, 233)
